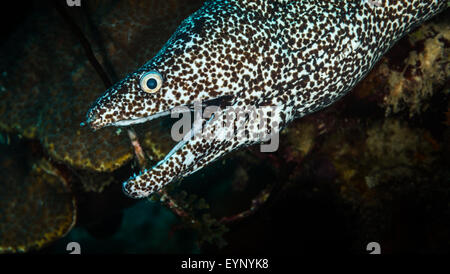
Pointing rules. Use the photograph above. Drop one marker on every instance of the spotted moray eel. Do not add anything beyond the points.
(298, 56)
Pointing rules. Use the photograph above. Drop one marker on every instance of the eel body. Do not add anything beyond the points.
(289, 58)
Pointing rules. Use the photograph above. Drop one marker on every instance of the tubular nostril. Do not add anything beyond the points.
(91, 118)
(125, 189)
(87, 121)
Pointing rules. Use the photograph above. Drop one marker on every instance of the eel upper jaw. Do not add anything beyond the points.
(123, 123)
(96, 123)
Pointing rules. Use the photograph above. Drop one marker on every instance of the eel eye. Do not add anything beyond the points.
(151, 81)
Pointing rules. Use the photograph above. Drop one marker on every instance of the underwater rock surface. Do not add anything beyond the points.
(37, 205)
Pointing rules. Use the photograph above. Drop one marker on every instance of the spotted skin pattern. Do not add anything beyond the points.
(297, 56)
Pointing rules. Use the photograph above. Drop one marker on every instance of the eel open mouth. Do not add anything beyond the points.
(96, 121)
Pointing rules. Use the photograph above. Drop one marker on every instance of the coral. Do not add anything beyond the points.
(300, 138)
(415, 69)
(394, 143)
(380, 149)
(36, 206)
(94, 181)
(208, 228)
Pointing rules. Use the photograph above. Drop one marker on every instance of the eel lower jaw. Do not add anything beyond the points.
(134, 180)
